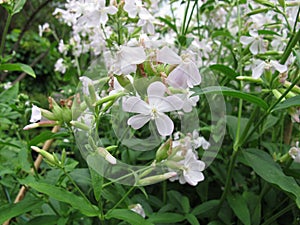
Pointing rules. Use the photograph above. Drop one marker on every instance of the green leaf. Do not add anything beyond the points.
(45, 220)
(10, 94)
(192, 219)
(9, 211)
(63, 195)
(46, 135)
(166, 218)
(233, 93)
(263, 164)
(205, 207)
(168, 21)
(128, 216)
(18, 67)
(239, 207)
(290, 102)
(18, 6)
(225, 70)
(97, 182)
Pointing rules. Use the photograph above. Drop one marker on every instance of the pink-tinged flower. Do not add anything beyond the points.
(256, 42)
(260, 66)
(36, 114)
(127, 58)
(189, 100)
(186, 74)
(154, 109)
(190, 169)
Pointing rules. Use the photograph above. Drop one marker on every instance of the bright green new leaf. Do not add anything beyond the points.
(240, 208)
(18, 67)
(128, 216)
(63, 195)
(9, 211)
(263, 164)
(290, 102)
(233, 93)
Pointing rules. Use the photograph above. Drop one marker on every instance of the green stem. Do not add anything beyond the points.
(9, 17)
(273, 218)
(227, 182)
(122, 199)
(246, 135)
(76, 186)
(185, 16)
(190, 18)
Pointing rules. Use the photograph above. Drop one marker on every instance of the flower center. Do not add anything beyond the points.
(154, 113)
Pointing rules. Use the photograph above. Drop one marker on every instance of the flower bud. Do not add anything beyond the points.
(164, 150)
(250, 79)
(47, 114)
(108, 157)
(79, 125)
(49, 158)
(156, 178)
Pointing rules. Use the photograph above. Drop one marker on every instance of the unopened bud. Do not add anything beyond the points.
(49, 157)
(48, 123)
(164, 150)
(155, 179)
(108, 157)
(250, 79)
(109, 98)
(79, 125)
(277, 94)
(47, 114)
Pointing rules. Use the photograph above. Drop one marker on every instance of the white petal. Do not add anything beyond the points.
(132, 55)
(111, 10)
(193, 177)
(177, 79)
(164, 124)
(136, 105)
(144, 14)
(254, 47)
(130, 8)
(245, 40)
(103, 18)
(156, 89)
(258, 70)
(36, 114)
(192, 72)
(138, 121)
(166, 55)
(279, 67)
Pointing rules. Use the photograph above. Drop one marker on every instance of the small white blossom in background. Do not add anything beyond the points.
(294, 152)
(43, 28)
(36, 114)
(256, 42)
(60, 66)
(7, 85)
(138, 208)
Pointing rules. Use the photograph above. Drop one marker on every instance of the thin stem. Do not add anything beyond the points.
(185, 16)
(9, 17)
(227, 182)
(279, 214)
(76, 186)
(190, 18)
(122, 199)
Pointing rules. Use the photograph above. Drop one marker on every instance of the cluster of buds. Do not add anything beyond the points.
(59, 114)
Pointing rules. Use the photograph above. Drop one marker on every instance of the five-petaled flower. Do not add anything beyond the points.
(154, 109)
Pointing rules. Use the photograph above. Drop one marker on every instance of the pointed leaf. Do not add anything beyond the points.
(233, 93)
(263, 164)
(128, 216)
(166, 218)
(239, 207)
(290, 102)
(63, 195)
(18, 67)
(9, 211)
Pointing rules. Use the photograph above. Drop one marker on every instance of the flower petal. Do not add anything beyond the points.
(36, 114)
(136, 105)
(164, 124)
(246, 40)
(166, 55)
(254, 48)
(258, 70)
(156, 89)
(138, 121)
(279, 67)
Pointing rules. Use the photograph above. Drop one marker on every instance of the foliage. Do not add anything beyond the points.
(104, 77)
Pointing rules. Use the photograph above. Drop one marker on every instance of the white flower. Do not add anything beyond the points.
(127, 58)
(259, 66)
(189, 100)
(36, 114)
(200, 141)
(190, 170)
(137, 208)
(60, 66)
(43, 28)
(256, 41)
(62, 48)
(186, 74)
(153, 110)
(294, 152)
(86, 81)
